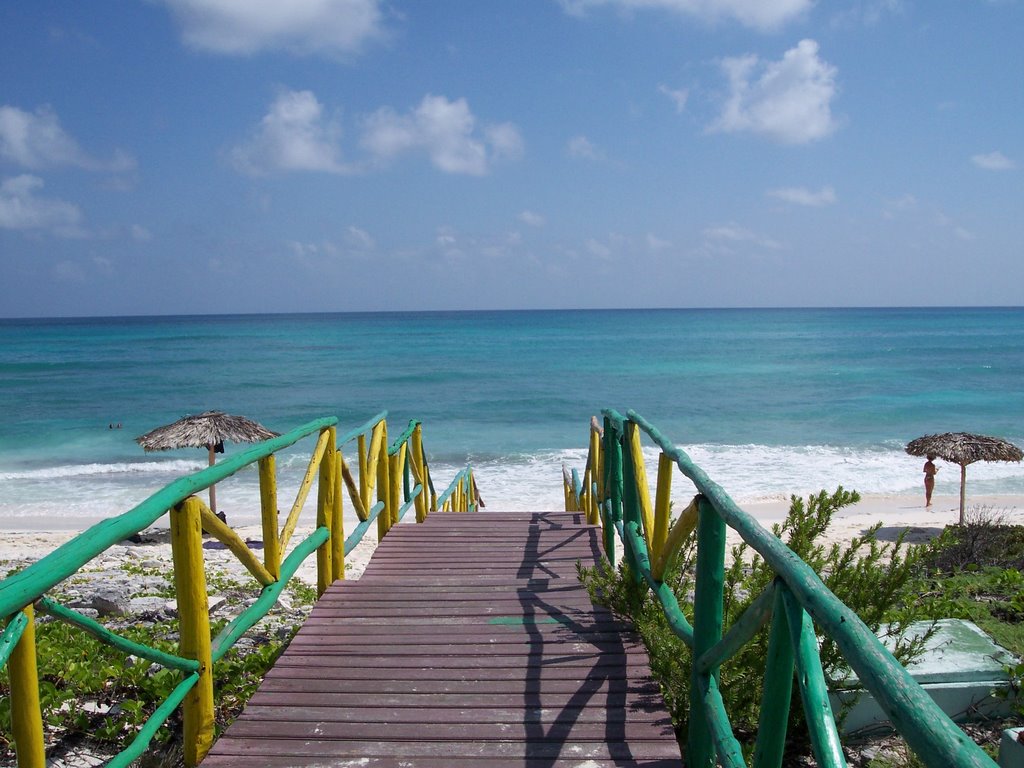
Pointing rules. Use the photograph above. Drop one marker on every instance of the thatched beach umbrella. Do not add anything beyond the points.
(205, 430)
(964, 448)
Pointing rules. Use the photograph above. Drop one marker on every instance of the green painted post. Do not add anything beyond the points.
(821, 722)
(707, 626)
(613, 485)
(630, 504)
(778, 689)
(406, 479)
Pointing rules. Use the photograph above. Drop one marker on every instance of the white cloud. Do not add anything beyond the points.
(293, 136)
(532, 219)
(36, 140)
(140, 233)
(446, 131)
(359, 239)
(892, 208)
(599, 249)
(505, 140)
(733, 233)
(760, 14)
(583, 148)
(994, 161)
(655, 243)
(68, 272)
(677, 96)
(20, 208)
(300, 26)
(803, 196)
(788, 101)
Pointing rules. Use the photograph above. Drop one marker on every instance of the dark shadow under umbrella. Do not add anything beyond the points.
(964, 448)
(205, 430)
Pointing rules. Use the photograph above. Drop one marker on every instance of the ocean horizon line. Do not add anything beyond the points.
(28, 319)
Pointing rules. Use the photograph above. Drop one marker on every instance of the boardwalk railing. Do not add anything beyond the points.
(614, 489)
(399, 475)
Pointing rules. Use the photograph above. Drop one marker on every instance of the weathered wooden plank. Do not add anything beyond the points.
(421, 747)
(455, 693)
(265, 761)
(524, 729)
(585, 713)
(468, 641)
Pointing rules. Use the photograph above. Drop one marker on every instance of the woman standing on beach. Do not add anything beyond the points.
(929, 479)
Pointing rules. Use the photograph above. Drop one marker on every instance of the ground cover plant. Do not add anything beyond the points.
(872, 577)
(93, 697)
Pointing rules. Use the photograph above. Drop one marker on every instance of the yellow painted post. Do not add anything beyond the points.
(194, 626)
(585, 493)
(26, 715)
(662, 502)
(338, 523)
(596, 477)
(419, 467)
(379, 464)
(325, 514)
(396, 466)
(643, 494)
(364, 486)
(268, 514)
(378, 450)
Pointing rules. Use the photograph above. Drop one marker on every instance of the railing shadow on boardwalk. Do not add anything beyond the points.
(595, 680)
(600, 680)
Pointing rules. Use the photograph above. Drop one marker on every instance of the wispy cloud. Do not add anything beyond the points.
(764, 15)
(36, 140)
(532, 219)
(333, 27)
(446, 131)
(21, 208)
(678, 96)
(788, 100)
(804, 196)
(582, 148)
(731, 233)
(994, 161)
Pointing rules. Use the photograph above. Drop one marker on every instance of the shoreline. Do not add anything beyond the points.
(25, 544)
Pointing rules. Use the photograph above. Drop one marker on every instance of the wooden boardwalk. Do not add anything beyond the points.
(468, 642)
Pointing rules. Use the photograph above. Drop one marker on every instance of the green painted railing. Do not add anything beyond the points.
(614, 491)
(397, 472)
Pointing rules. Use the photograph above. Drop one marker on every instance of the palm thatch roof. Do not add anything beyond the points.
(204, 430)
(964, 448)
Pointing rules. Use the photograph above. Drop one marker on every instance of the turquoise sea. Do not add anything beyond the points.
(769, 402)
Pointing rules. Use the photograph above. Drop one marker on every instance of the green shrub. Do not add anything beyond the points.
(870, 577)
(80, 677)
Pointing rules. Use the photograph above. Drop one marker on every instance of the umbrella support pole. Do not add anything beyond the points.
(963, 491)
(213, 490)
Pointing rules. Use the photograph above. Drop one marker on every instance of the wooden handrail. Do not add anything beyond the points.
(798, 599)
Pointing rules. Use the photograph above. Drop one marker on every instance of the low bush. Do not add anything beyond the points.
(869, 576)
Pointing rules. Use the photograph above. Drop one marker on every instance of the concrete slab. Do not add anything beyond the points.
(960, 669)
(1011, 748)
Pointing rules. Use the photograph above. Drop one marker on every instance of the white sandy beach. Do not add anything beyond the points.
(895, 513)
(24, 546)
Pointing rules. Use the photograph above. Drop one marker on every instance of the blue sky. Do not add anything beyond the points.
(205, 156)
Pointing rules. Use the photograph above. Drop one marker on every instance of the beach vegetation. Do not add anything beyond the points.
(973, 571)
(870, 576)
(91, 694)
